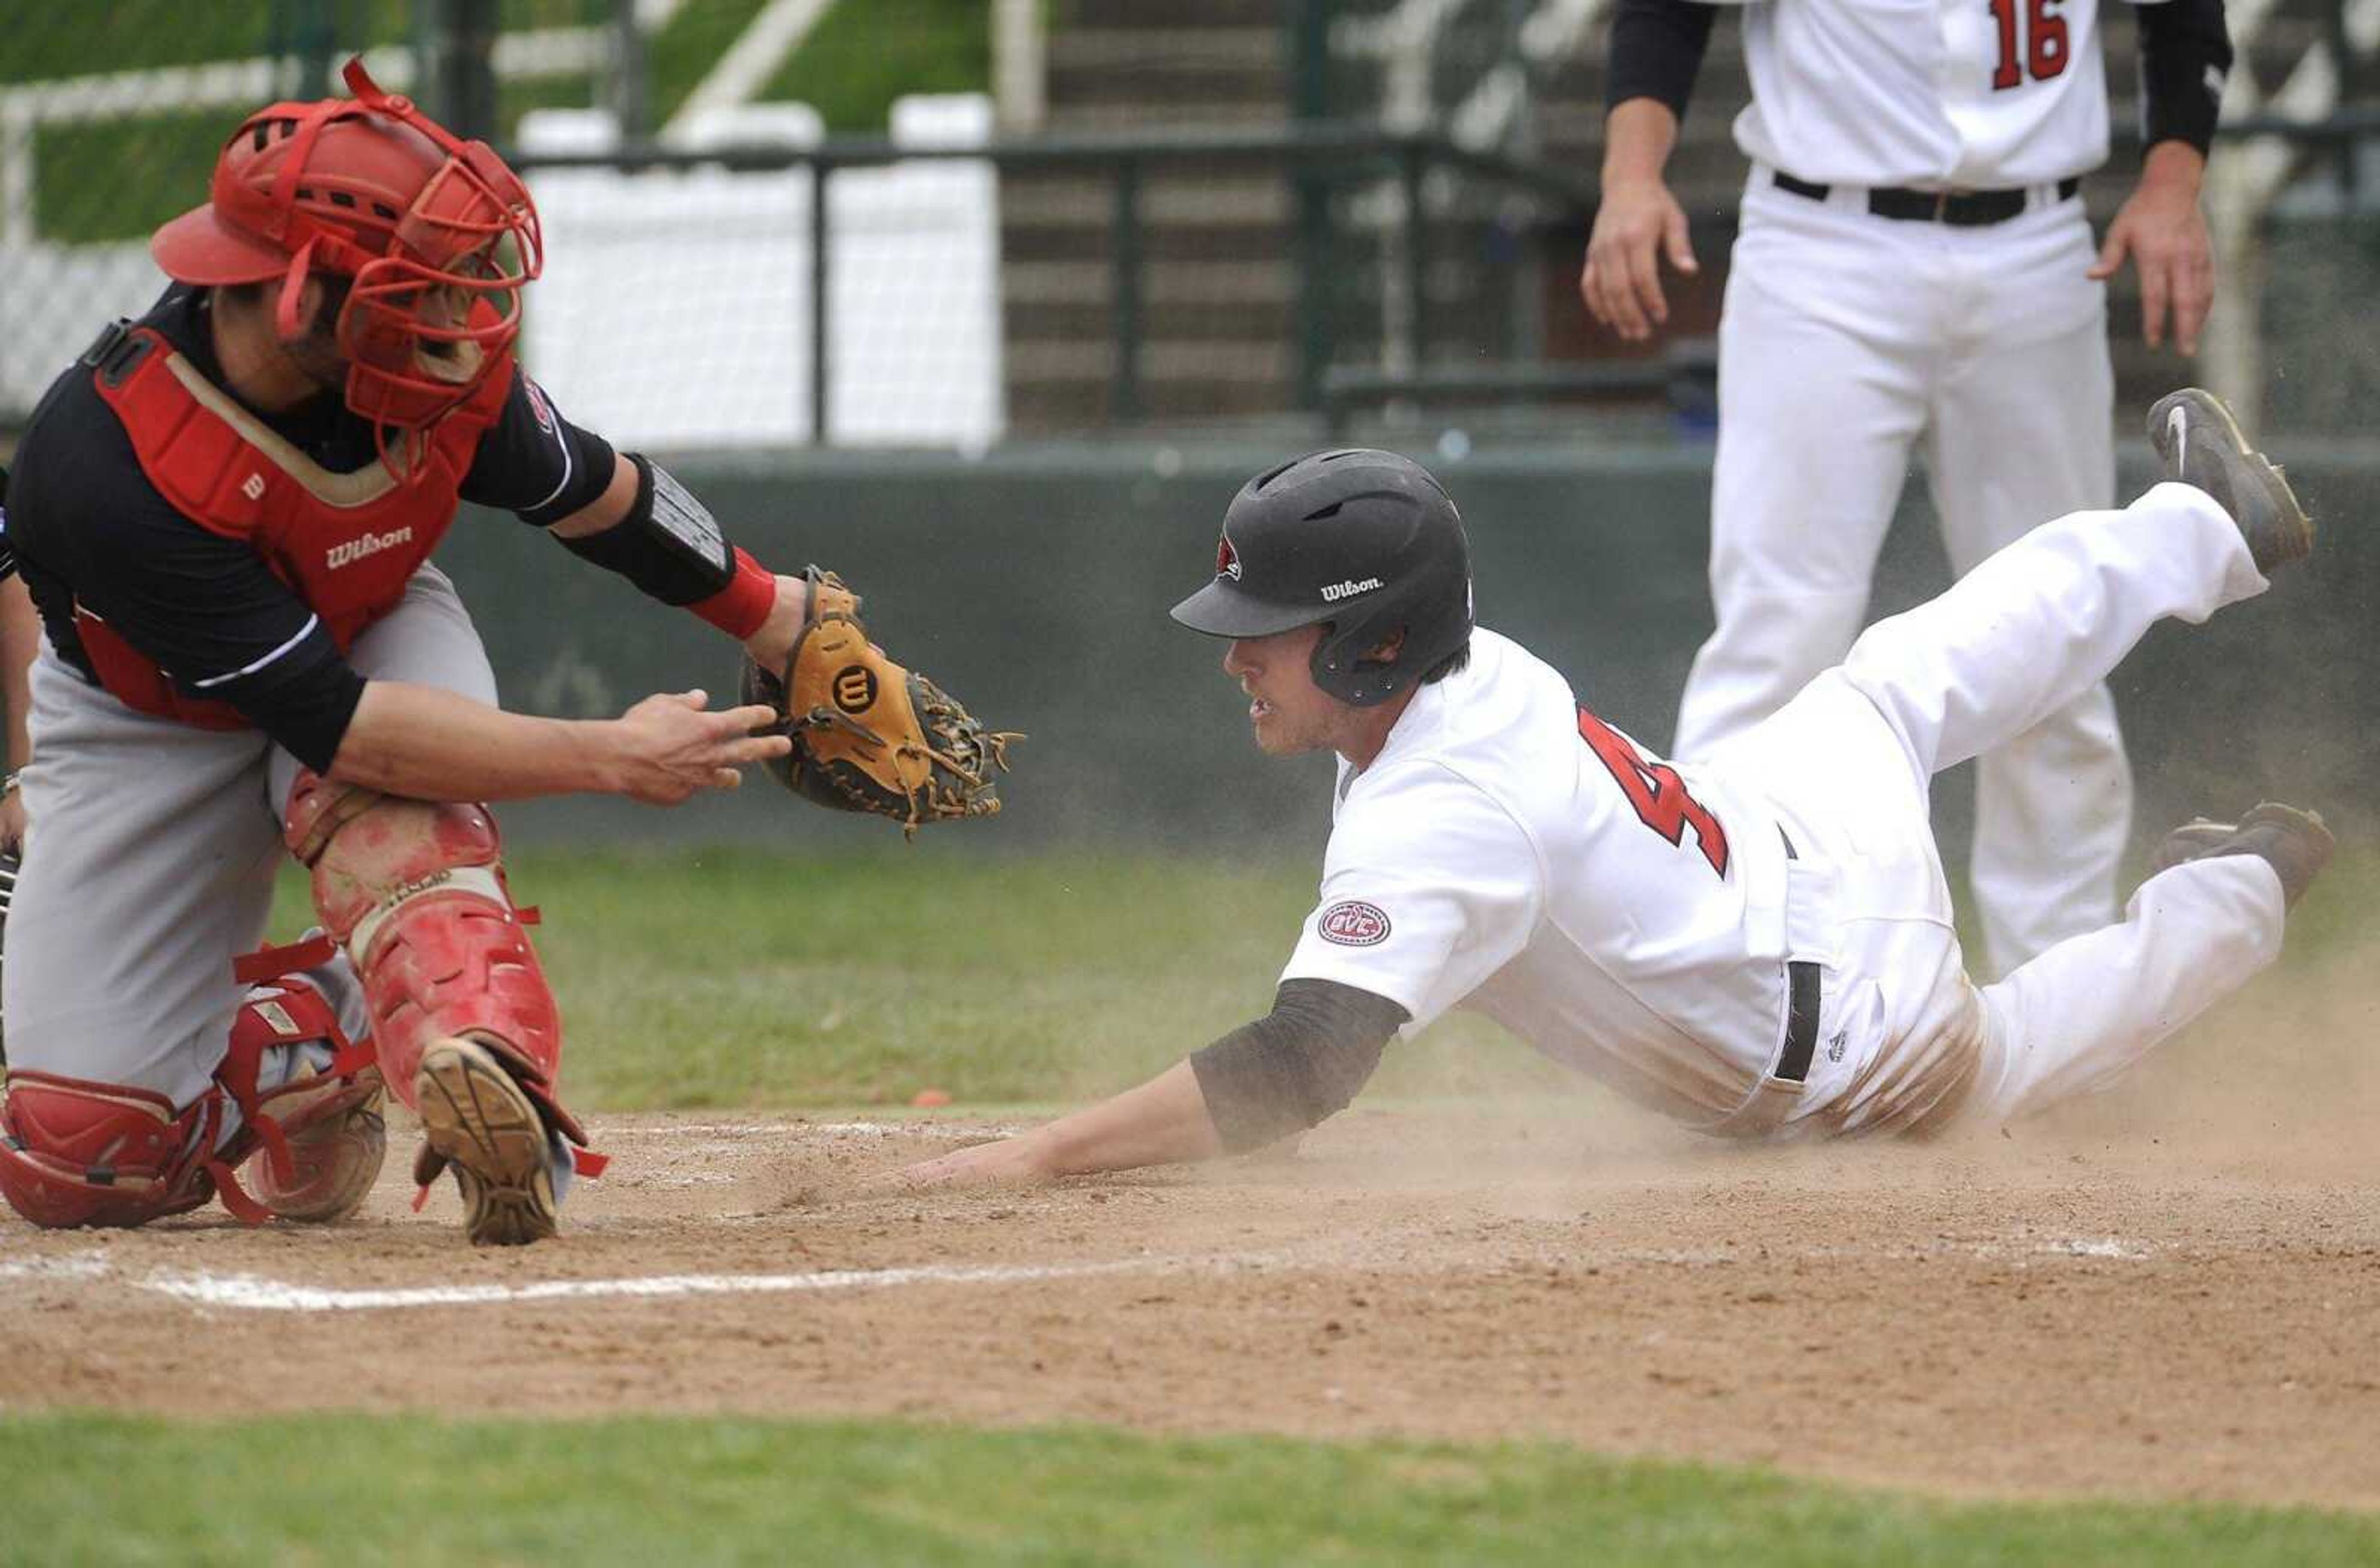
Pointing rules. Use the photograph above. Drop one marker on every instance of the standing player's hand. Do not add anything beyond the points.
(669, 746)
(2162, 229)
(1639, 222)
(12, 824)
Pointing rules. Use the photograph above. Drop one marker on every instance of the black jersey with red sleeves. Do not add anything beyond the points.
(100, 541)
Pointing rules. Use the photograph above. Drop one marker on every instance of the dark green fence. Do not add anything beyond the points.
(1035, 585)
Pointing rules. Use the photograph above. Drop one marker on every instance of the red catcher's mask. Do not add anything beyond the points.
(435, 238)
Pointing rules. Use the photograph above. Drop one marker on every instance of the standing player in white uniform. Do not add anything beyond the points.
(1759, 944)
(1914, 273)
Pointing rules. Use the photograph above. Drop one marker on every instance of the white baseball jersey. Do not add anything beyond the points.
(1509, 853)
(1506, 853)
(1968, 93)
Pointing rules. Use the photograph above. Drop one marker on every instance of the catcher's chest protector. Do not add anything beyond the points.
(346, 543)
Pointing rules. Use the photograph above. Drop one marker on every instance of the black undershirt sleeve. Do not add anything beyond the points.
(254, 644)
(1657, 50)
(534, 463)
(2185, 54)
(1297, 1066)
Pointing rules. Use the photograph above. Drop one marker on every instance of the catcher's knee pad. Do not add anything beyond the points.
(414, 891)
(75, 1152)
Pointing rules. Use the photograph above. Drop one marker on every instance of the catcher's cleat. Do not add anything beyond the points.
(479, 1121)
(2202, 446)
(2294, 843)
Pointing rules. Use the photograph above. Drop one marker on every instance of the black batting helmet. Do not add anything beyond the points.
(1366, 540)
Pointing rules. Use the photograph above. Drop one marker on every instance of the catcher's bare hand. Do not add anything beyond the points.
(670, 746)
(1638, 223)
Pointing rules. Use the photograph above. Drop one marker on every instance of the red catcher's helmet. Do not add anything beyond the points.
(436, 237)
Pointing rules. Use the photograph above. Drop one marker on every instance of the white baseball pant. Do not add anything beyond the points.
(1848, 767)
(1847, 342)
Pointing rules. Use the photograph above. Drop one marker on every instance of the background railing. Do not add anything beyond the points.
(1328, 161)
(773, 227)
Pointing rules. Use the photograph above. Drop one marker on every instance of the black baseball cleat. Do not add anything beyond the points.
(2202, 446)
(2294, 843)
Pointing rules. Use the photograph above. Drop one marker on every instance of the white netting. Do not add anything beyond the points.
(676, 307)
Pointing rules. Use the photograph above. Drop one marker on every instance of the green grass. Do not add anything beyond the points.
(79, 196)
(730, 977)
(118, 178)
(356, 1489)
(681, 54)
(48, 41)
(860, 57)
(727, 977)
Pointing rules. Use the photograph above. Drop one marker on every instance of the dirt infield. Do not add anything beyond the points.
(2091, 1308)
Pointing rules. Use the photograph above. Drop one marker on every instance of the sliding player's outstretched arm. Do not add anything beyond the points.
(1265, 1081)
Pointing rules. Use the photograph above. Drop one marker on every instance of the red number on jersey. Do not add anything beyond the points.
(2047, 43)
(1656, 792)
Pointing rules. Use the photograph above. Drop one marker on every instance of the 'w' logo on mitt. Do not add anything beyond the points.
(868, 735)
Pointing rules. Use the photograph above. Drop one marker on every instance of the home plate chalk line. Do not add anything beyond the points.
(255, 1292)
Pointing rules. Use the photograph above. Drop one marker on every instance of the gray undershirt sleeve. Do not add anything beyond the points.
(1297, 1066)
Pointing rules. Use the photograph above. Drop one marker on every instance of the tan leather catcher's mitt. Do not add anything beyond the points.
(868, 735)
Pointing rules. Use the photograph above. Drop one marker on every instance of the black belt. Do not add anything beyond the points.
(1801, 1008)
(1960, 208)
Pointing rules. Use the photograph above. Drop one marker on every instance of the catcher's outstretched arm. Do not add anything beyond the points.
(430, 744)
(647, 528)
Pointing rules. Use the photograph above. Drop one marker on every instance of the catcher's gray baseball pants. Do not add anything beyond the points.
(158, 844)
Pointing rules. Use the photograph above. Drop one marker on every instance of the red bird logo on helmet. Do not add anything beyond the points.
(1227, 560)
(434, 237)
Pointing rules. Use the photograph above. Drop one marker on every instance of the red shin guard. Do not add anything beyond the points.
(415, 892)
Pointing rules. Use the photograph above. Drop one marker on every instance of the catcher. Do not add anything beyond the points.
(224, 513)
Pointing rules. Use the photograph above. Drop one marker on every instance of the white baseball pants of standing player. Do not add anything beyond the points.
(1848, 343)
(1907, 1038)
(158, 846)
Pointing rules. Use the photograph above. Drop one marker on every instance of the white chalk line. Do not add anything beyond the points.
(258, 1293)
(789, 1130)
(74, 1266)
